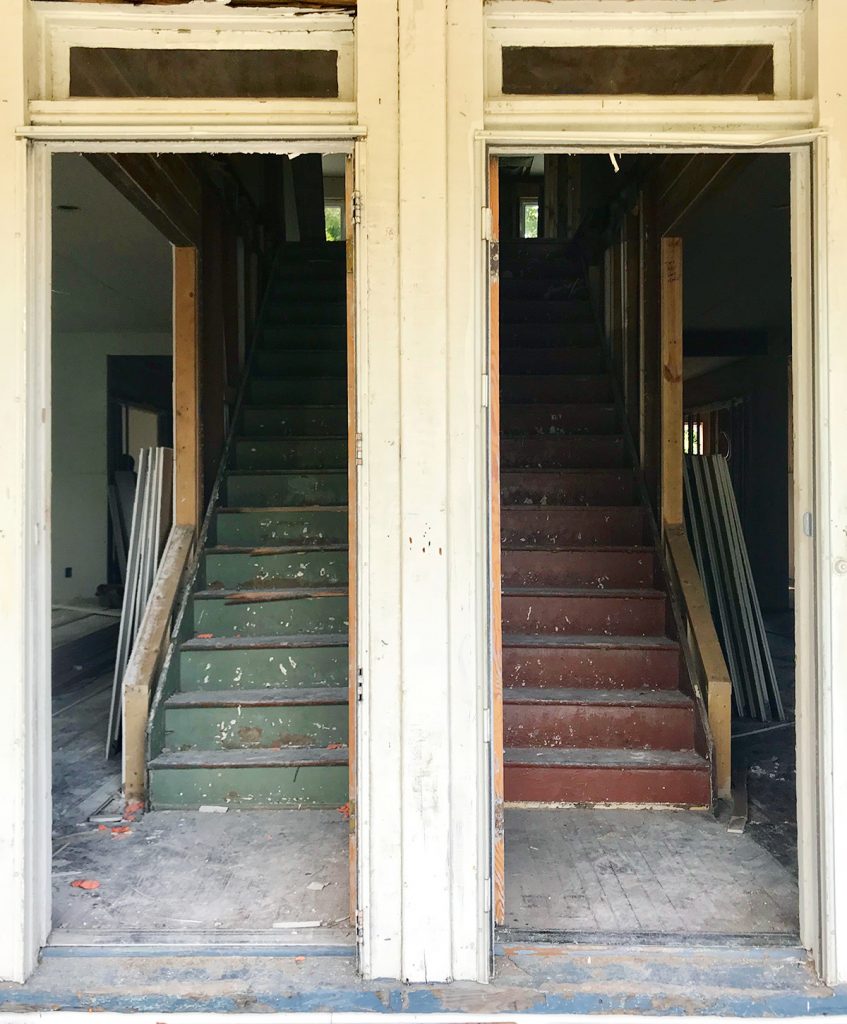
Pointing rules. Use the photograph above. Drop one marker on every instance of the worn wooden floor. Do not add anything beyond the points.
(179, 872)
(642, 871)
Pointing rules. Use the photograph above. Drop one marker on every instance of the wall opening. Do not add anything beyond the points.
(614, 825)
(246, 736)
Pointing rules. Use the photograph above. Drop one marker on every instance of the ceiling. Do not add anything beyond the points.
(111, 268)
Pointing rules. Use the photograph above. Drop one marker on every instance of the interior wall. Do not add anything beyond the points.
(80, 401)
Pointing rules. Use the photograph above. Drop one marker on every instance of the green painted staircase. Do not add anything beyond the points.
(252, 705)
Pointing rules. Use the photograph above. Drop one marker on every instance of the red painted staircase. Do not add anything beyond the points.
(597, 707)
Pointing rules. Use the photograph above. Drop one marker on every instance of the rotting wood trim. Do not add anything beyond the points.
(714, 681)
(143, 666)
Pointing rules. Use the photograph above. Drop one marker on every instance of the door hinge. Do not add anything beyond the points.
(486, 727)
(360, 685)
(487, 223)
(357, 207)
(486, 383)
(358, 449)
(487, 895)
(360, 924)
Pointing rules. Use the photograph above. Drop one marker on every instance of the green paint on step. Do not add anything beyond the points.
(259, 489)
(300, 363)
(251, 727)
(293, 391)
(264, 527)
(305, 421)
(289, 614)
(244, 788)
(253, 571)
(291, 453)
(201, 668)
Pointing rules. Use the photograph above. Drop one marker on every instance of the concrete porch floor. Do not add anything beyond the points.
(653, 981)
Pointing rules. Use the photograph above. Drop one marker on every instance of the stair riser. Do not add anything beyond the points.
(299, 363)
(317, 336)
(255, 728)
(583, 616)
(332, 288)
(547, 335)
(686, 787)
(583, 359)
(602, 569)
(307, 313)
(631, 728)
(564, 389)
(291, 453)
(253, 572)
(553, 420)
(266, 528)
(573, 527)
(319, 421)
(321, 786)
(525, 487)
(591, 668)
(270, 491)
(562, 452)
(320, 391)
(539, 288)
(531, 311)
(256, 669)
(291, 617)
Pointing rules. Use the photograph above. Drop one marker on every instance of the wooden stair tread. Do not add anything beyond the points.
(639, 594)
(597, 509)
(263, 757)
(587, 697)
(289, 438)
(302, 547)
(239, 596)
(565, 548)
(295, 641)
(580, 640)
(268, 697)
(290, 471)
(228, 510)
(604, 757)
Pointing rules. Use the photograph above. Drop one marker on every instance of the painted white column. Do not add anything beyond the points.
(24, 706)
(832, 93)
(422, 805)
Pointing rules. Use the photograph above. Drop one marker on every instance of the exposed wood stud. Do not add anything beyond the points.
(671, 381)
(187, 479)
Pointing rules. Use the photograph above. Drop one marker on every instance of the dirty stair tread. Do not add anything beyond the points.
(534, 590)
(301, 548)
(580, 640)
(603, 757)
(561, 549)
(244, 596)
(276, 697)
(246, 757)
(296, 641)
(230, 510)
(588, 697)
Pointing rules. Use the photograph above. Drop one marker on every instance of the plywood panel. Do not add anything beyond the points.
(115, 72)
(634, 70)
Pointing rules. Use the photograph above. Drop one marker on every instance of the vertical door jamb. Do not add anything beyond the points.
(497, 783)
(187, 477)
(671, 382)
(353, 460)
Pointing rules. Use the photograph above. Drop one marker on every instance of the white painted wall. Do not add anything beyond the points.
(80, 398)
(832, 513)
(24, 721)
(425, 772)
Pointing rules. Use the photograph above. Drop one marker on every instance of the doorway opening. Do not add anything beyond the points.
(200, 321)
(648, 326)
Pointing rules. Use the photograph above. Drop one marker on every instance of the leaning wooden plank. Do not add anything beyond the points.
(146, 655)
(128, 601)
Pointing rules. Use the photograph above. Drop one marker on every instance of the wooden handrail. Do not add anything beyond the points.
(707, 660)
(145, 660)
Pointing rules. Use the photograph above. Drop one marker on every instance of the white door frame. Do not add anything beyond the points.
(43, 143)
(810, 346)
